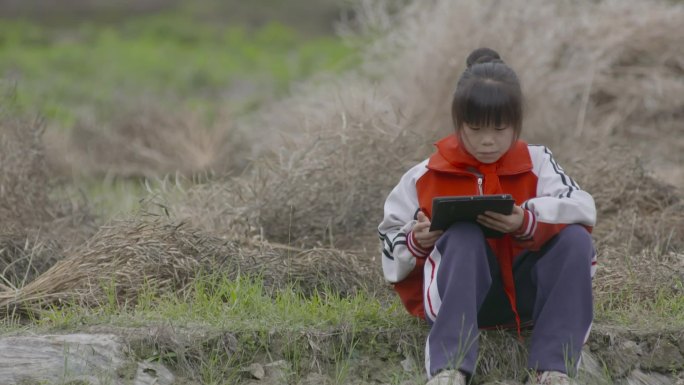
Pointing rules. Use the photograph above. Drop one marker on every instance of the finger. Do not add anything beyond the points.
(432, 237)
(421, 227)
(495, 215)
(493, 219)
(427, 237)
(422, 217)
(487, 219)
(494, 225)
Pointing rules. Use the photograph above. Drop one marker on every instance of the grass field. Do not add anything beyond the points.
(62, 72)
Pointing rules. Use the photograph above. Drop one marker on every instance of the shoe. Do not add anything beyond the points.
(551, 378)
(448, 377)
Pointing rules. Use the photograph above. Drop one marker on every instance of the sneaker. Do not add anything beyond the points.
(551, 378)
(448, 377)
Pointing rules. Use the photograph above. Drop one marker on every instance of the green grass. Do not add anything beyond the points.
(348, 337)
(216, 301)
(626, 308)
(338, 331)
(168, 57)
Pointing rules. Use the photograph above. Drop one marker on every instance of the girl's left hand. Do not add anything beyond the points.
(501, 222)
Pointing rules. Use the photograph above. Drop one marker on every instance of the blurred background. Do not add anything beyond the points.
(132, 89)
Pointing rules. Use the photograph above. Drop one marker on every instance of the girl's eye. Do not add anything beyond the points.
(474, 128)
(501, 128)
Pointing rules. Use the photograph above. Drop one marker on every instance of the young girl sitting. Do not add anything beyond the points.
(538, 274)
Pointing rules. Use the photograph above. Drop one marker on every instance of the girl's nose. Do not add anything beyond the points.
(487, 140)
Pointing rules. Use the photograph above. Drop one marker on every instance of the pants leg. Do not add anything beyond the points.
(563, 309)
(496, 309)
(553, 288)
(457, 274)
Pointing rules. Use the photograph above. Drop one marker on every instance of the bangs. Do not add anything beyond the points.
(488, 104)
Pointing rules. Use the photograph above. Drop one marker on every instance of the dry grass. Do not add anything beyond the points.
(325, 189)
(36, 223)
(591, 87)
(349, 140)
(24, 179)
(129, 256)
(149, 141)
(606, 97)
(640, 231)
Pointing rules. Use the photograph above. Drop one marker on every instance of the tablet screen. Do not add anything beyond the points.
(451, 209)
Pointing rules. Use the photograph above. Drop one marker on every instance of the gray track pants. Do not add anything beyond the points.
(463, 291)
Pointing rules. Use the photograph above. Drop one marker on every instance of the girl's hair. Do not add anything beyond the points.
(488, 93)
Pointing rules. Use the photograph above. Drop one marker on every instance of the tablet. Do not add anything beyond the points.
(451, 209)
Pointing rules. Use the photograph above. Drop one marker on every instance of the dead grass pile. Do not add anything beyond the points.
(324, 190)
(149, 141)
(348, 142)
(640, 230)
(37, 222)
(23, 259)
(636, 211)
(24, 179)
(126, 257)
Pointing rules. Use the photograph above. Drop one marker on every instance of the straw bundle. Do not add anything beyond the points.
(122, 258)
(126, 257)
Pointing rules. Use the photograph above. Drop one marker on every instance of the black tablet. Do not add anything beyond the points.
(449, 210)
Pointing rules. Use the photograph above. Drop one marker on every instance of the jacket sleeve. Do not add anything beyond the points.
(559, 202)
(399, 249)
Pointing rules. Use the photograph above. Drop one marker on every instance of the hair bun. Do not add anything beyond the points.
(483, 55)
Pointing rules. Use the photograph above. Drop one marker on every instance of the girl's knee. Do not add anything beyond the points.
(464, 229)
(577, 238)
(576, 234)
(460, 232)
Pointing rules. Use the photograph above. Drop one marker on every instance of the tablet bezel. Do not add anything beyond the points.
(447, 210)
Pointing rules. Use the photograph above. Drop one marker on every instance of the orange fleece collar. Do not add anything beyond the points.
(452, 157)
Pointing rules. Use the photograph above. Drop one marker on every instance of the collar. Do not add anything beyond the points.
(452, 157)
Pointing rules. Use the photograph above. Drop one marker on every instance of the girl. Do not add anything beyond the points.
(538, 274)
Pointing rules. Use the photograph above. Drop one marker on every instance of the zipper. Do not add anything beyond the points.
(479, 177)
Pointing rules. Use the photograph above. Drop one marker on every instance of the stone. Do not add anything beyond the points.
(637, 377)
(665, 357)
(315, 379)
(256, 370)
(621, 358)
(408, 364)
(153, 373)
(278, 371)
(590, 369)
(93, 359)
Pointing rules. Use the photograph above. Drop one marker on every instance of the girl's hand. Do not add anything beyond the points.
(501, 222)
(422, 234)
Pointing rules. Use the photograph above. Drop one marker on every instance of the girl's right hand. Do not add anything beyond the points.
(422, 234)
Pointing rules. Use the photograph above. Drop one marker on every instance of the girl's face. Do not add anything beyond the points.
(487, 144)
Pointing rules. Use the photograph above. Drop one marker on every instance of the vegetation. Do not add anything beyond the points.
(60, 71)
(247, 184)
